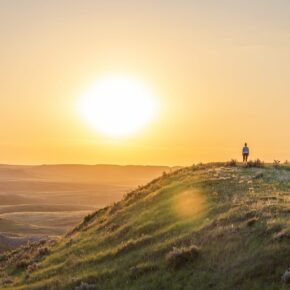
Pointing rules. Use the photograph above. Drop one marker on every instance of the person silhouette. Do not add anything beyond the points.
(246, 152)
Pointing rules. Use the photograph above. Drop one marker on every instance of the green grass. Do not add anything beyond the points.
(237, 218)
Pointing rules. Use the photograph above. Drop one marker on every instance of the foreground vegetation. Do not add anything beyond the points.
(215, 226)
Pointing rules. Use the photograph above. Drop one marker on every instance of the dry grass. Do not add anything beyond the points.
(179, 257)
(142, 243)
(85, 286)
(255, 164)
(232, 163)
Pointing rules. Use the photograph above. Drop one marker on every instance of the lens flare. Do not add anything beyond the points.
(189, 204)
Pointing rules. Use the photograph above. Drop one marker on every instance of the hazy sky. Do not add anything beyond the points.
(220, 70)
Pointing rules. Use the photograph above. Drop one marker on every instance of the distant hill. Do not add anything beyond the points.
(203, 227)
(11, 242)
(48, 200)
(103, 174)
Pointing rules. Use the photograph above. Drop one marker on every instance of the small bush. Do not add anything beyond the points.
(33, 267)
(7, 280)
(232, 163)
(87, 218)
(181, 256)
(42, 241)
(252, 221)
(276, 163)
(259, 175)
(23, 263)
(282, 235)
(114, 208)
(3, 257)
(164, 174)
(255, 163)
(43, 251)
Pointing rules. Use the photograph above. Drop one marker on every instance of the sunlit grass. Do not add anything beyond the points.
(237, 217)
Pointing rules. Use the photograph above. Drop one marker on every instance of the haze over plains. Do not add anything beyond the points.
(48, 200)
(219, 70)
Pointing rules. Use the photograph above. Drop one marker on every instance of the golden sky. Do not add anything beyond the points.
(219, 69)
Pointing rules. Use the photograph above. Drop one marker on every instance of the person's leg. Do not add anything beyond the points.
(244, 157)
(247, 155)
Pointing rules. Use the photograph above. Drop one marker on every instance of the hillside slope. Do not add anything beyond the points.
(204, 227)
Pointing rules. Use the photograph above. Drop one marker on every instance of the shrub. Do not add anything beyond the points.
(232, 163)
(33, 267)
(276, 163)
(3, 257)
(23, 263)
(259, 175)
(114, 208)
(7, 280)
(256, 163)
(87, 218)
(181, 256)
(42, 241)
(43, 251)
(164, 174)
(252, 221)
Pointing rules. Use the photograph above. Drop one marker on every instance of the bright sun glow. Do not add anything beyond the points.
(118, 105)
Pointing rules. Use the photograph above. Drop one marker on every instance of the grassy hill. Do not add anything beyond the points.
(203, 227)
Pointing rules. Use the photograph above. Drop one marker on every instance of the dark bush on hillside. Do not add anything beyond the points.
(259, 175)
(114, 208)
(232, 163)
(282, 235)
(251, 222)
(179, 257)
(4, 257)
(255, 163)
(43, 251)
(276, 163)
(164, 174)
(7, 280)
(87, 218)
(52, 243)
(33, 267)
(23, 263)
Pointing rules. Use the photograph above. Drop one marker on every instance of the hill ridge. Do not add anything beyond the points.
(202, 227)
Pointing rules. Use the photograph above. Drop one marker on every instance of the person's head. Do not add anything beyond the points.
(246, 144)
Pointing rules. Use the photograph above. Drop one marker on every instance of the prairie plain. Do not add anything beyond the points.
(47, 200)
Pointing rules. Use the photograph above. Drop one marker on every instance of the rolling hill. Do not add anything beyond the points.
(213, 226)
(48, 200)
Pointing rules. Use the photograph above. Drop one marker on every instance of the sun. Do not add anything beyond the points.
(118, 105)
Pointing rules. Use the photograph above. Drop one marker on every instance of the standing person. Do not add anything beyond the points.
(246, 152)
